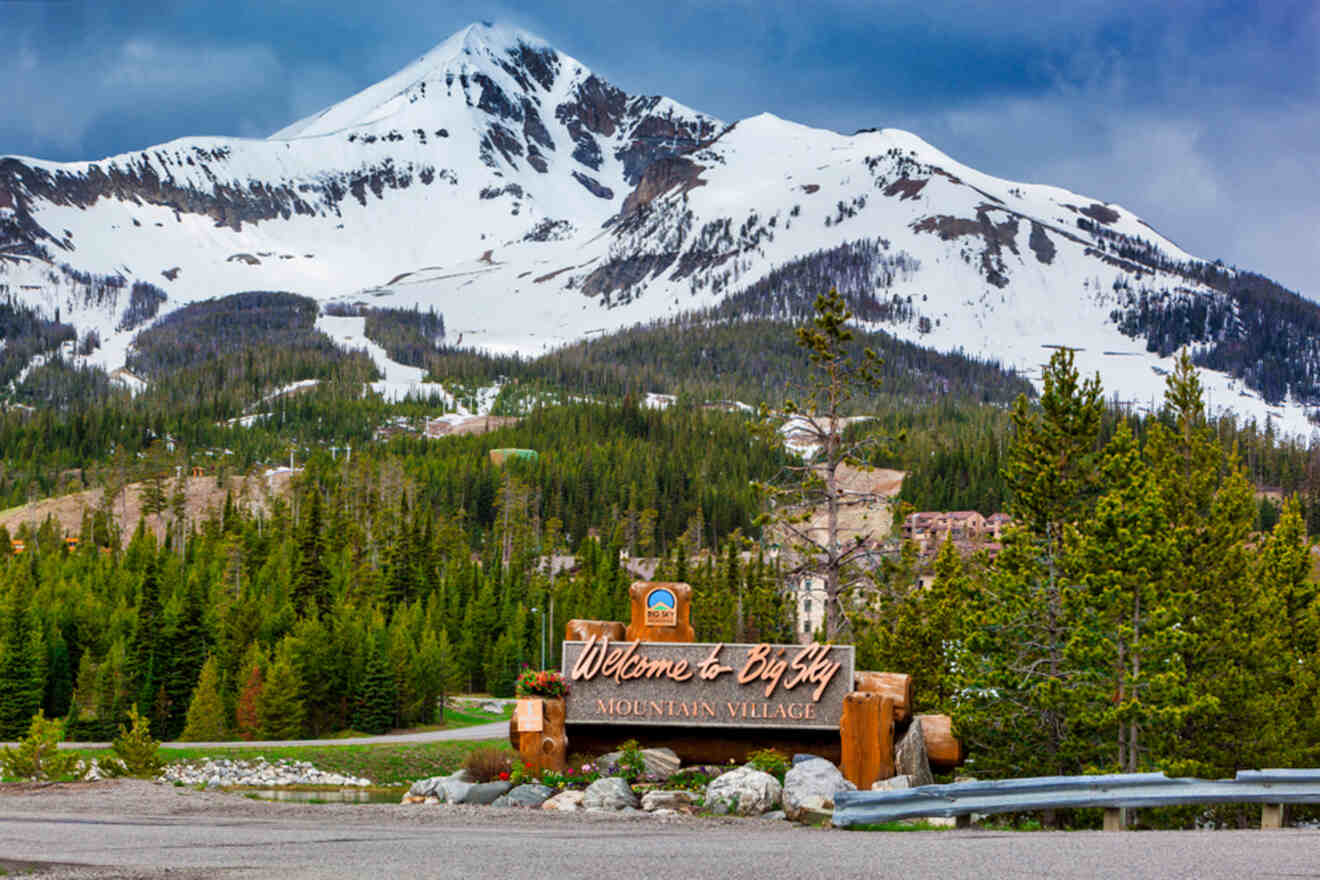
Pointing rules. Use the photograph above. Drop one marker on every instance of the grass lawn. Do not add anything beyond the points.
(392, 764)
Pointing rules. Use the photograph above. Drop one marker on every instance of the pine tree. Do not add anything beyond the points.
(206, 710)
(279, 705)
(144, 659)
(1132, 687)
(185, 656)
(59, 679)
(20, 687)
(1017, 652)
(919, 631)
(311, 580)
(502, 667)
(374, 711)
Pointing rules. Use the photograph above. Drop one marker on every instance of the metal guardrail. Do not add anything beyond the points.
(1060, 792)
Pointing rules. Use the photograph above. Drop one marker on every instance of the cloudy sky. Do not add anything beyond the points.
(1202, 117)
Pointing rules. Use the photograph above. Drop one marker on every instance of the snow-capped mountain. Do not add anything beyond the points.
(532, 203)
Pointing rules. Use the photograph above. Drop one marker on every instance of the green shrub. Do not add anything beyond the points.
(38, 755)
(631, 764)
(770, 761)
(691, 779)
(138, 752)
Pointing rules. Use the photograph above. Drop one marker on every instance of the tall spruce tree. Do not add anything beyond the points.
(145, 661)
(374, 712)
(1129, 638)
(1017, 652)
(186, 652)
(21, 683)
(311, 579)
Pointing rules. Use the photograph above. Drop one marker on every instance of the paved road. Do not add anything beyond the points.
(298, 849)
(494, 730)
(153, 841)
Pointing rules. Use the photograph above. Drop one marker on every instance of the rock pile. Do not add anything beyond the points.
(258, 773)
(806, 795)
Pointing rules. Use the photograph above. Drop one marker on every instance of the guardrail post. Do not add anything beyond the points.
(1114, 819)
(1271, 816)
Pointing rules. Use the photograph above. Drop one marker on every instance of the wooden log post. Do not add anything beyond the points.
(897, 686)
(1114, 819)
(661, 612)
(942, 747)
(583, 630)
(866, 735)
(543, 744)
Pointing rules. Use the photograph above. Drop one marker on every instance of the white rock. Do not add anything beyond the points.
(745, 791)
(565, 802)
(814, 778)
(609, 793)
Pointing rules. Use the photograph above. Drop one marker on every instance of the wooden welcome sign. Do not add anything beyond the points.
(710, 702)
(707, 685)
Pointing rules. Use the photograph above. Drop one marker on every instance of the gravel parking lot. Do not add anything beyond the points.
(135, 829)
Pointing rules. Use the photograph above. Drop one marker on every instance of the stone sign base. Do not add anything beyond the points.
(703, 745)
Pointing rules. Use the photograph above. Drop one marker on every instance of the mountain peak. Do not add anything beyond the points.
(481, 45)
(495, 37)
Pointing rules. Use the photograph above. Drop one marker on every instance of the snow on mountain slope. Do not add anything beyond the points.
(503, 184)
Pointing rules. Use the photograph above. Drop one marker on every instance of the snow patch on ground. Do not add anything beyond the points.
(401, 381)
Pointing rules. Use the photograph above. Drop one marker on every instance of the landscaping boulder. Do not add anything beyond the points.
(487, 792)
(815, 810)
(609, 793)
(910, 758)
(529, 794)
(432, 787)
(800, 757)
(455, 792)
(774, 814)
(814, 778)
(897, 783)
(659, 764)
(745, 792)
(653, 801)
(565, 802)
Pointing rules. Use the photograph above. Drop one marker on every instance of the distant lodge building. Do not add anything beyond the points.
(929, 529)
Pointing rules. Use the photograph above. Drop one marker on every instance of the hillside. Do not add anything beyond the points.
(203, 496)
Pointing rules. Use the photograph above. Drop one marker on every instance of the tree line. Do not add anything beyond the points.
(1133, 621)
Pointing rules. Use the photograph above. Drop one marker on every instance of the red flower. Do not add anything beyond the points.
(504, 774)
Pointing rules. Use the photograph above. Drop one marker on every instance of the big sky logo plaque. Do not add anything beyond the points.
(661, 607)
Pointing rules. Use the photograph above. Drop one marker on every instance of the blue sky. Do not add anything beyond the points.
(1202, 117)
